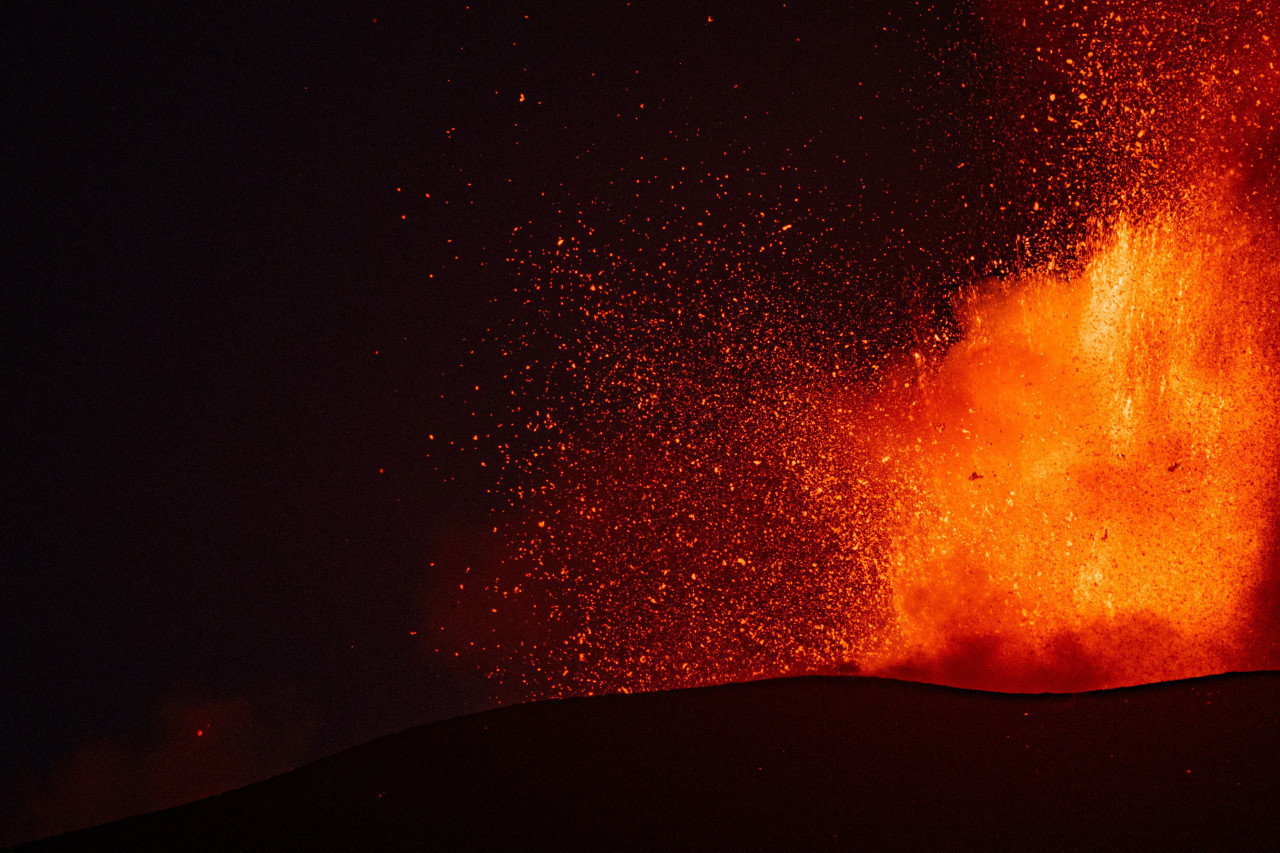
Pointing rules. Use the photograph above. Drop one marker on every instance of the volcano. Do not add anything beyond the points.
(378, 366)
(812, 761)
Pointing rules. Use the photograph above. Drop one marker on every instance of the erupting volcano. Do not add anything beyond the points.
(1062, 476)
(870, 368)
(880, 370)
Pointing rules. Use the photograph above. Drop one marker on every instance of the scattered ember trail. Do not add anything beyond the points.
(1070, 483)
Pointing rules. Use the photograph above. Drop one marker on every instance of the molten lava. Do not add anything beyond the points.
(1093, 469)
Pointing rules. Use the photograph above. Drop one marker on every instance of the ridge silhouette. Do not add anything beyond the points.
(815, 761)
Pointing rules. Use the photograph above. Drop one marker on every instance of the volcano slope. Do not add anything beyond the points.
(810, 761)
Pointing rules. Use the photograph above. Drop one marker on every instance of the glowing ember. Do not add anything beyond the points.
(1070, 483)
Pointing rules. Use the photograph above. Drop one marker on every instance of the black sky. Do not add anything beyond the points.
(252, 254)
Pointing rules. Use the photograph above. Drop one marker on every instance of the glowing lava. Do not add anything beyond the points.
(1093, 477)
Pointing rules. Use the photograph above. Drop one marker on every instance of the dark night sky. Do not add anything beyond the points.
(222, 320)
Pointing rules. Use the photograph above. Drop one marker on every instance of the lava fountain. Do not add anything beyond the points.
(1089, 478)
(1070, 483)
(1091, 471)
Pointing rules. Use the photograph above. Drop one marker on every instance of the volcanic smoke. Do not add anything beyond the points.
(1069, 482)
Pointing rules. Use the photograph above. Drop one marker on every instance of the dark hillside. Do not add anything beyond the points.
(811, 761)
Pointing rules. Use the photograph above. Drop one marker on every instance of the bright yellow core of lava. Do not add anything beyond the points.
(1091, 477)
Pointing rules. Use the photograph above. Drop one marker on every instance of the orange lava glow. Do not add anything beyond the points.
(1069, 483)
(1090, 486)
